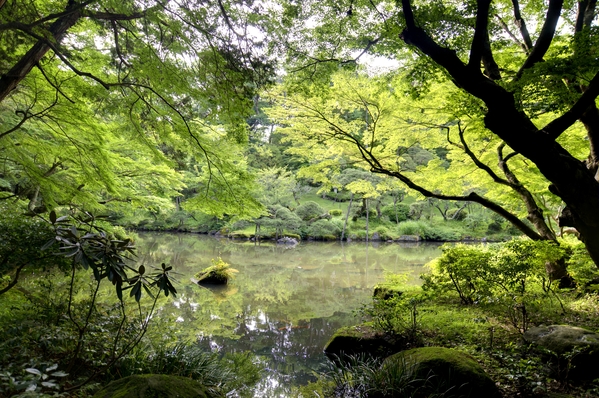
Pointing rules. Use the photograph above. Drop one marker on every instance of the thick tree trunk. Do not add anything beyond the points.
(19, 71)
(570, 178)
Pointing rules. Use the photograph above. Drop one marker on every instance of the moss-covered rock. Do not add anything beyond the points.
(561, 339)
(440, 369)
(153, 386)
(358, 340)
(577, 349)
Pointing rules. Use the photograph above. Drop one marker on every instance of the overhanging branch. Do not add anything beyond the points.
(556, 127)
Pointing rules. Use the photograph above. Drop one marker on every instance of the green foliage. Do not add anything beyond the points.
(309, 210)
(412, 228)
(511, 275)
(383, 232)
(323, 229)
(335, 212)
(396, 213)
(581, 267)
(80, 238)
(21, 240)
(370, 378)
(454, 215)
(235, 372)
(416, 210)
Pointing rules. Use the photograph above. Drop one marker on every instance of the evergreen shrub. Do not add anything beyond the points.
(309, 210)
(335, 212)
(401, 209)
(322, 228)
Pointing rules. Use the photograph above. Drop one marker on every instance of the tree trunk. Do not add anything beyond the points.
(58, 29)
(367, 213)
(351, 199)
(570, 179)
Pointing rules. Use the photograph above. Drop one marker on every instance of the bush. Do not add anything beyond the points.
(474, 221)
(21, 241)
(411, 228)
(234, 372)
(383, 232)
(323, 228)
(441, 233)
(511, 276)
(335, 212)
(218, 273)
(402, 211)
(451, 214)
(309, 210)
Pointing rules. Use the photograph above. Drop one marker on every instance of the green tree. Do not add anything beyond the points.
(84, 86)
(527, 90)
(418, 143)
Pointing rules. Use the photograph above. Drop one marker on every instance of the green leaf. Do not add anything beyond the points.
(53, 217)
(48, 244)
(33, 371)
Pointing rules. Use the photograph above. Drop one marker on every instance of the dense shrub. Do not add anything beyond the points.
(309, 210)
(323, 228)
(511, 275)
(383, 232)
(411, 228)
(335, 212)
(474, 220)
(21, 241)
(234, 372)
(397, 213)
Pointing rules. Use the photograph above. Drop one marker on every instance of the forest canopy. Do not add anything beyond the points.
(114, 105)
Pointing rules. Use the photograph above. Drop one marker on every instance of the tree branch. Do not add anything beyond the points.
(114, 17)
(522, 26)
(585, 14)
(510, 34)
(57, 30)
(475, 159)
(545, 37)
(15, 279)
(535, 213)
(480, 33)
(556, 127)
(376, 167)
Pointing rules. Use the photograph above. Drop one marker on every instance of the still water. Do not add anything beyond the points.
(284, 304)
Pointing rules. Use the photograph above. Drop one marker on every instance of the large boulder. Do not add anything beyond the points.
(358, 340)
(153, 386)
(574, 349)
(438, 369)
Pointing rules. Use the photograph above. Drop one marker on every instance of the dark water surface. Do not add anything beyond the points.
(284, 304)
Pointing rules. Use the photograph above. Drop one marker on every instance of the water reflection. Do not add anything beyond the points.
(285, 302)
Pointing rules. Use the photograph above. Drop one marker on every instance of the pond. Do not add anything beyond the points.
(286, 301)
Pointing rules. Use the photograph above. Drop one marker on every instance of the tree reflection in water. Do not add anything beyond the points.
(284, 304)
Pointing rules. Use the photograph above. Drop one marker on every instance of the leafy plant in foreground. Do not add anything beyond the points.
(79, 238)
